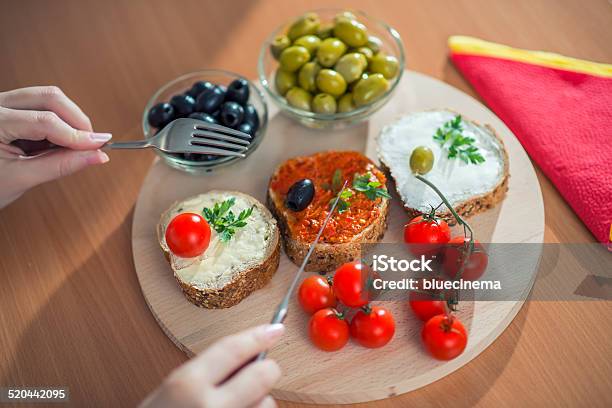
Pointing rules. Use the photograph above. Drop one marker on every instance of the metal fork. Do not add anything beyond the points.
(192, 136)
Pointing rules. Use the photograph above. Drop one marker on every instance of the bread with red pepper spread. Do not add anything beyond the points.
(360, 217)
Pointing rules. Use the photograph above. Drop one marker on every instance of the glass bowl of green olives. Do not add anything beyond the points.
(331, 68)
(214, 96)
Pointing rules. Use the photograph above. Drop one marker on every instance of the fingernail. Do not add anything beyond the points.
(96, 157)
(273, 331)
(100, 137)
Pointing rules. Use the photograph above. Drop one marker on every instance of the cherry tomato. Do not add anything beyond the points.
(188, 235)
(315, 293)
(425, 306)
(350, 284)
(444, 337)
(426, 236)
(454, 255)
(328, 330)
(373, 327)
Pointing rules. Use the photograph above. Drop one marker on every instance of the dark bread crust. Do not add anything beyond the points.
(474, 205)
(241, 286)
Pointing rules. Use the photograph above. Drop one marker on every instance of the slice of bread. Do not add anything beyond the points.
(334, 248)
(470, 188)
(226, 272)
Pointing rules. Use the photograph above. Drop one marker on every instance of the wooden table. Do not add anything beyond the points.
(71, 310)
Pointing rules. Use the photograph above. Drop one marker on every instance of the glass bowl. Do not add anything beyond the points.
(391, 45)
(183, 84)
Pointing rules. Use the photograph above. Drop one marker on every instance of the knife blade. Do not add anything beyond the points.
(283, 306)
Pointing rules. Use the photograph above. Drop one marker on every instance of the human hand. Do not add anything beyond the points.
(219, 377)
(38, 114)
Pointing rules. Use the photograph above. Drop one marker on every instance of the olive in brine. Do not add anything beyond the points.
(299, 98)
(292, 58)
(299, 195)
(278, 45)
(324, 103)
(345, 103)
(305, 25)
(308, 75)
(310, 42)
(351, 66)
(330, 50)
(384, 64)
(284, 80)
(374, 43)
(351, 32)
(369, 89)
(325, 30)
(331, 82)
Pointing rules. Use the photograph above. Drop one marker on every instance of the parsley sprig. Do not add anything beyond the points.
(224, 221)
(372, 189)
(450, 136)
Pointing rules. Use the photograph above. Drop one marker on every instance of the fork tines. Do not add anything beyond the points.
(212, 135)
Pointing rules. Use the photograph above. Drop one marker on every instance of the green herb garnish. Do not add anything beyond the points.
(337, 181)
(223, 220)
(372, 189)
(450, 137)
(343, 203)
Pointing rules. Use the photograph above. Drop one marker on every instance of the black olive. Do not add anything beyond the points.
(210, 100)
(246, 128)
(238, 91)
(203, 116)
(183, 105)
(232, 114)
(160, 115)
(198, 88)
(251, 117)
(300, 194)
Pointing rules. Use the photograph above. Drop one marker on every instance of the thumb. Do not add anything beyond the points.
(56, 164)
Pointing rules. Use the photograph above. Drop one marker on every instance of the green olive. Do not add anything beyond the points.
(421, 160)
(345, 15)
(330, 50)
(331, 82)
(305, 25)
(369, 89)
(284, 80)
(345, 103)
(384, 64)
(292, 58)
(299, 98)
(308, 75)
(351, 66)
(374, 43)
(366, 51)
(310, 42)
(324, 103)
(325, 30)
(351, 32)
(279, 43)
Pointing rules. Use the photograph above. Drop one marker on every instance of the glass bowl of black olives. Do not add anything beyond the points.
(213, 96)
(331, 68)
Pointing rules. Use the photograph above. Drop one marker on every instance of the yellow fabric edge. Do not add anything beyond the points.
(469, 45)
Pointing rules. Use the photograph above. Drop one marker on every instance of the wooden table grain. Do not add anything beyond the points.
(71, 310)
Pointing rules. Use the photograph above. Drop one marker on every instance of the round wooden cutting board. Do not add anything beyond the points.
(354, 374)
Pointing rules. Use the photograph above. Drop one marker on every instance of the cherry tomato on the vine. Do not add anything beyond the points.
(351, 284)
(316, 293)
(188, 235)
(426, 236)
(373, 327)
(425, 306)
(455, 254)
(328, 330)
(444, 337)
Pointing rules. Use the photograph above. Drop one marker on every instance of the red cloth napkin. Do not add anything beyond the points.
(560, 109)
